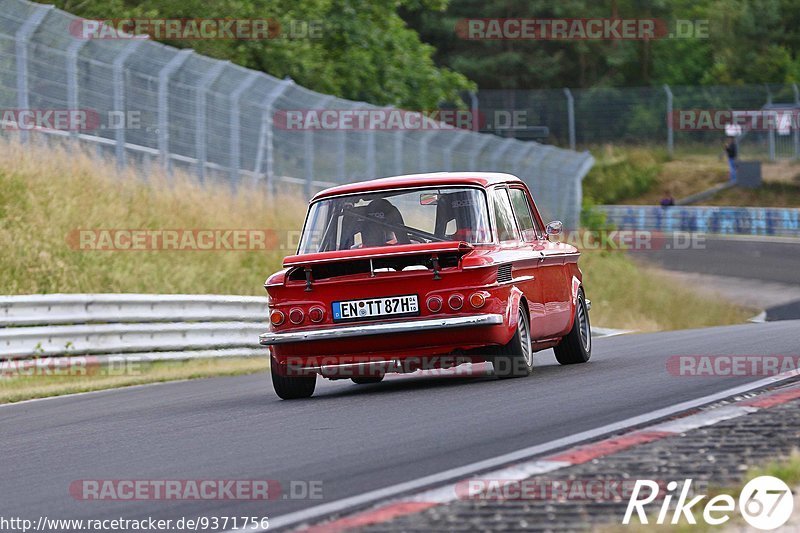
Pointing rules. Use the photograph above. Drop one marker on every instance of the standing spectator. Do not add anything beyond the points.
(667, 200)
(730, 150)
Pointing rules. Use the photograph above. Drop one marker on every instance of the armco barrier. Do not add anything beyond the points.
(104, 324)
(705, 219)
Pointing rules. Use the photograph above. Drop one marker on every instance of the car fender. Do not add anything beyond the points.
(515, 297)
(576, 287)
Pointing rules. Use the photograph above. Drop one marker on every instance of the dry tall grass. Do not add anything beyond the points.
(47, 192)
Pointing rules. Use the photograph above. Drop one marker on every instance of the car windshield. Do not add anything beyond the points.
(385, 218)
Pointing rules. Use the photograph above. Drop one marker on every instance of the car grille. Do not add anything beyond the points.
(504, 273)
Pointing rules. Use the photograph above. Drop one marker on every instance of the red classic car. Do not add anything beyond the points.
(424, 271)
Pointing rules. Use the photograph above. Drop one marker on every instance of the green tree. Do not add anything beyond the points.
(364, 51)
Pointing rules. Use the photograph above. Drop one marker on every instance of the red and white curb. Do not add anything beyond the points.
(686, 417)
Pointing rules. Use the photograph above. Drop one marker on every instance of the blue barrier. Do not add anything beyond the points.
(705, 219)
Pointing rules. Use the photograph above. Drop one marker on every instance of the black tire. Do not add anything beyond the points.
(576, 347)
(367, 380)
(515, 359)
(292, 387)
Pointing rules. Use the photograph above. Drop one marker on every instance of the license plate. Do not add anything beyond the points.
(407, 305)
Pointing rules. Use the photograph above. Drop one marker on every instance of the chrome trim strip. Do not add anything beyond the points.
(406, 326)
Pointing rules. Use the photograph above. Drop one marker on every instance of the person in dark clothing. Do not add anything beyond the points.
(667, 200)
(730, 150)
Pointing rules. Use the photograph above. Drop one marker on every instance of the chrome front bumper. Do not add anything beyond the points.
(363, 330)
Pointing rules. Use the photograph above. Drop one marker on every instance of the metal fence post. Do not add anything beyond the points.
(163, 103)
(119, 96)
(523, 153)
(22, 37)
(341, 158)
(200, 139)
(771, 132)
(570, 117)
(265, 136)
(423, 153)
(795, 129)
(476, 151)
(73, 50)
(235, 129)
(308, 151)
(474, 109)
(670, 125)
(371, 163)
(507, 144)
(458, 137)
(398, 152)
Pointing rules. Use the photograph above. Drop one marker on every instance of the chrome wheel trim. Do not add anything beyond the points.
(583, 326)
(525, 338)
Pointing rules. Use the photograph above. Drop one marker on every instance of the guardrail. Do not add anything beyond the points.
(152, 325)
(705, 219)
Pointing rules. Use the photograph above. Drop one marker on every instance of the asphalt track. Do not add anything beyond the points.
(759, 259)
(352, 438)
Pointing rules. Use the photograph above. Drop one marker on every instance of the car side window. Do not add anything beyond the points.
(523, 215)
(504, 216)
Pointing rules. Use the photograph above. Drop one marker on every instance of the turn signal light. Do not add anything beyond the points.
(477, 299)
(456, 302)
(316, 314)
(296, 316)
(277, 317)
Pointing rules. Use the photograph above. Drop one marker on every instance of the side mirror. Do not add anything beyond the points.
(554, 228)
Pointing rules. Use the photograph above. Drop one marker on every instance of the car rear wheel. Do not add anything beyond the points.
(291, 387)
(576, 347)
(367, 380)
(515, 359)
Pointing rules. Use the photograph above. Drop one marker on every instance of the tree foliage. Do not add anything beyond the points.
(748, 41)
(364, 50)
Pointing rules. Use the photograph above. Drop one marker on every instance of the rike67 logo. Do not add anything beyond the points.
(765, 503)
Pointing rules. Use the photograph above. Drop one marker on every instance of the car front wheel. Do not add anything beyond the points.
(576, 347)
(291, 387)
(515, 359)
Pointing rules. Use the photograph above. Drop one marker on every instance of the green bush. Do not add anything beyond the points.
(619, 174)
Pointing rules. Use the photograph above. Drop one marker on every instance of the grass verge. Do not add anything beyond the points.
(18, 388)
(46, 194)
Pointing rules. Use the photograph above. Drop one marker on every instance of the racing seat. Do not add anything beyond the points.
(456, 207)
